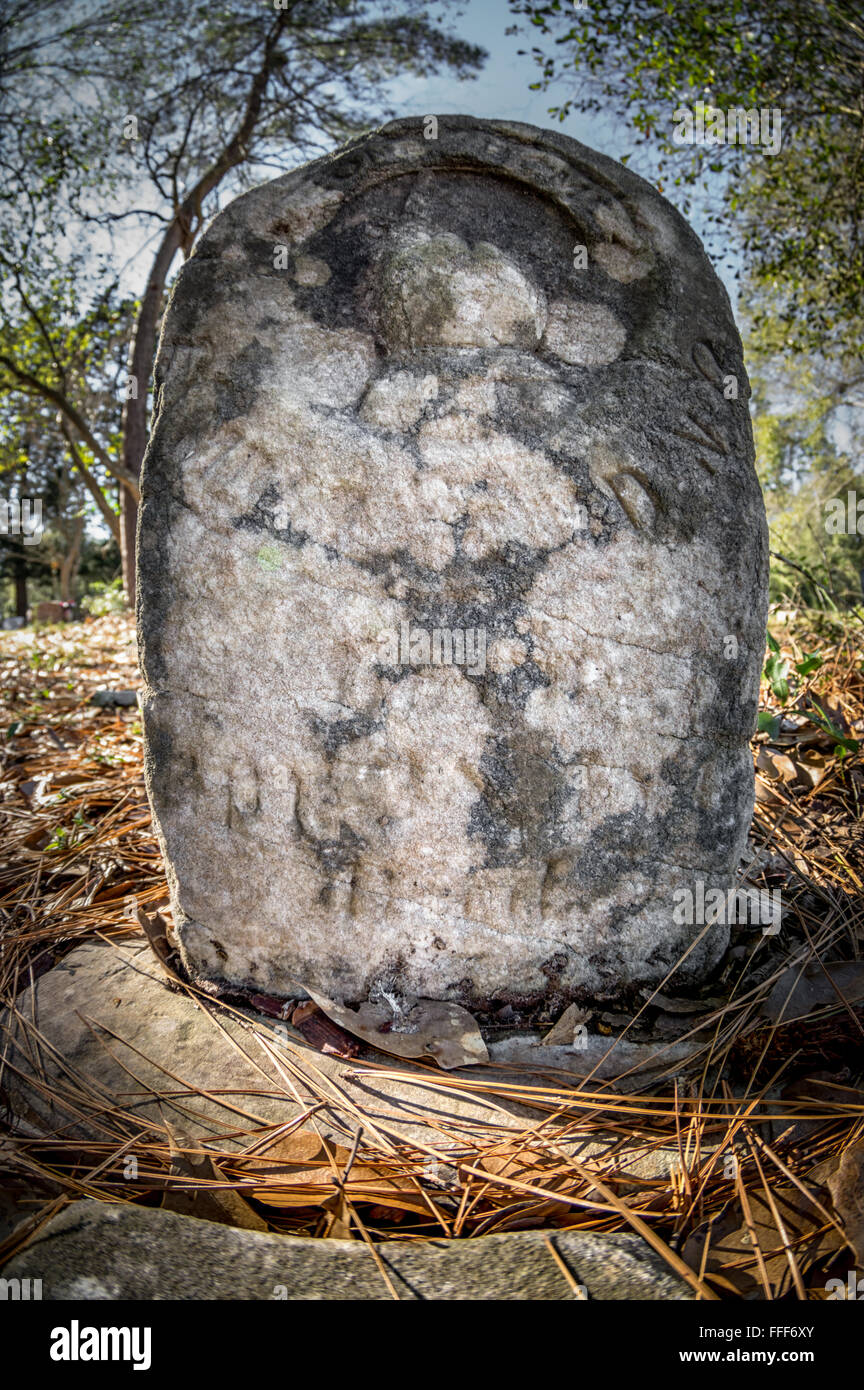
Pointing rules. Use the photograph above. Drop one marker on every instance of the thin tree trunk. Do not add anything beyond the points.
(69, 567)
(109, 516)
(20, 586)
(135, 412)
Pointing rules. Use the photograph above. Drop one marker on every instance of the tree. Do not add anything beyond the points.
(166, 107)
(798, 211)
(808, 430)
(60, 369)
(42, 523)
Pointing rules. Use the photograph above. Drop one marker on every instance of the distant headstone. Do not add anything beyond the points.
(51, 612)
(13, 624)
(453, 578)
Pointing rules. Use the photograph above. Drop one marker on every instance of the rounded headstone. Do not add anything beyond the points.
(452, 578)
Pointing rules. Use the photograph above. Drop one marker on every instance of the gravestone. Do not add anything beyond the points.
(53, 612)
(452, 578)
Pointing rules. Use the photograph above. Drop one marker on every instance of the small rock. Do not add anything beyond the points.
(105, 698)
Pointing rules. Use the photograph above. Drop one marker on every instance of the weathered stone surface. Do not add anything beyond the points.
(93, 1251)
(387, 403)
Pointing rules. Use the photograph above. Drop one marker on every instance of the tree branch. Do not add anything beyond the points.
(74, 416)
(112, 521)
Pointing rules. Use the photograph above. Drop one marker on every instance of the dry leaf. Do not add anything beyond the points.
(322, 1032)
(845, 1181)
(340, 1221)
(776, 766)
(821, 1090)
(732, 1253)
(812, 769)
(300, 1147)
(421, 1028)
(565, 1031)
(318, 1185)
(220, 1204)
(765, 796)
(156, 931)
(271, 1005)
(300, 1174)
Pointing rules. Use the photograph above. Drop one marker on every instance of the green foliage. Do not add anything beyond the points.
(778, 669)
(104, 598)
(798, 212)
(800, 419)
(768, 723)
(796, 216)
(788, 680)
(842, 745)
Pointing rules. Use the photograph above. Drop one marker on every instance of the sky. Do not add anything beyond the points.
(501, 89)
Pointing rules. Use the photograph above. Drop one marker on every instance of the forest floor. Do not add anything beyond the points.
(768, 1197)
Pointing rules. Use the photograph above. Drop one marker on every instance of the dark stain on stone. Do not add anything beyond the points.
(334, 733)
(529, 228)
(468, 594)
(515, 686)
(237, 389)
(262, 519)
(393, 674)
(630, 842)
(335, 855)
(732, 705)
(526, 789)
